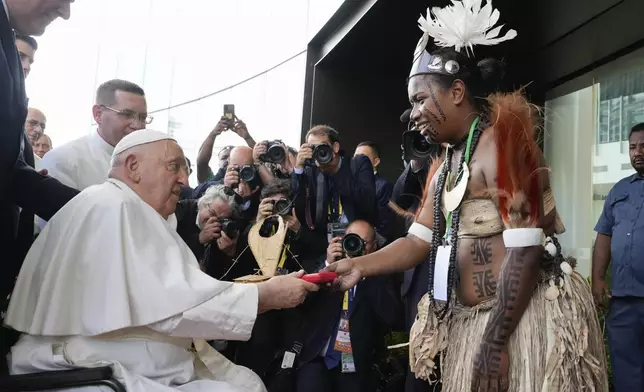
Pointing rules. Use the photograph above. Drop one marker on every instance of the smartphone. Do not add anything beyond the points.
(229, 112)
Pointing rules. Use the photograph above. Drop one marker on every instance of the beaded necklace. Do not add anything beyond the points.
(451, 233)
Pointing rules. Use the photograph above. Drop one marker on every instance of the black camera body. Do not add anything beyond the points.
(229, 227)
(247, 173)
(353, 245)
(275, 152)
(322, 153)
(282, 207)
(416, 146)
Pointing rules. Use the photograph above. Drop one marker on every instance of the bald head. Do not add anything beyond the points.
(240, 156)
(35, 124)
(156, 171)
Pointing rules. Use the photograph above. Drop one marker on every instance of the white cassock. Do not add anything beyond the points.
(110, 282)
(80, 163)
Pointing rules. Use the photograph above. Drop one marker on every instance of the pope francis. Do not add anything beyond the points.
(110, 282)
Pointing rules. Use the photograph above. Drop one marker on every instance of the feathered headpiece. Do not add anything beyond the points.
(463, 24)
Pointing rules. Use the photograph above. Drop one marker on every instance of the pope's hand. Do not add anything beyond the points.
(348, 274)
(285, 291)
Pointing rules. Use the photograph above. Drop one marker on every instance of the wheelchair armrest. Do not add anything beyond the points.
(60, 379)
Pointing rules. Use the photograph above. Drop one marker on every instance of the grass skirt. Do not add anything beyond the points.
(557, 346)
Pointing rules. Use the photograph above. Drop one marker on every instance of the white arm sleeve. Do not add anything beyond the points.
(228, 316)
(522, 238)
(421, 231)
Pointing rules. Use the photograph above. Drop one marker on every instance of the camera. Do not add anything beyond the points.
(229, 227)
(247, 173)
(282, 207)
(275, 152)
(322, 153)
(336, 230)
(353, 245)
(416, 146)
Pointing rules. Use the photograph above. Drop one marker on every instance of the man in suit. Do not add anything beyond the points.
(384, 189)
(27, 47)
(21, 187)
(337, 190)
(343, 332)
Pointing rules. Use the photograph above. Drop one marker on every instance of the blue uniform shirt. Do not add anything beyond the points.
(622, 220)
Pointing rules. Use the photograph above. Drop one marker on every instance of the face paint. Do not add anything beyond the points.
(432, 132)
(435, 101)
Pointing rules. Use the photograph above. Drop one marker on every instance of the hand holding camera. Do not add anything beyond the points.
(304, 155)
(210, 231)
(226, 244)
(259, 151)
(292, 222)
(265, 209)
(334, 252)
(231, 179)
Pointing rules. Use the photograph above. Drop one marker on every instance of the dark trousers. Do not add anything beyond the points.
(315, 377)
(413, 384)
(625, 324)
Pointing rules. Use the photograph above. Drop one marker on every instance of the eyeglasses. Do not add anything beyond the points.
(36, 123)
(131, 115)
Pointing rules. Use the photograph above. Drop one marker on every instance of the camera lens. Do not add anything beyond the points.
(247, 173)
(230, 228)
(353, 245)
(421, 145)
(323, 153)
(282, 207)
(275, 153)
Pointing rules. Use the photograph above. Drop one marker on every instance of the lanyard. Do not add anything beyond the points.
(468, 148)
(348, 296)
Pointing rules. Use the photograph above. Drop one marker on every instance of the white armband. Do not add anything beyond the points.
(522, 238)
(421, 231)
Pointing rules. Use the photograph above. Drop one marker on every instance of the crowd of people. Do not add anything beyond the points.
(204, 288)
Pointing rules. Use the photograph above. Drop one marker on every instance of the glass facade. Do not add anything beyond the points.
(586, 145)
(191, 57)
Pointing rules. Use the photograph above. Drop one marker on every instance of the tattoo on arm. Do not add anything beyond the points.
(516, 286)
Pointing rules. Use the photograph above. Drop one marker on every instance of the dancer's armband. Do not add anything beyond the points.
(522, 238)
(421, 231)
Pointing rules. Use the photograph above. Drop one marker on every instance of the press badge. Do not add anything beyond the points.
(441, 270)
(288, 360)
(348, 366)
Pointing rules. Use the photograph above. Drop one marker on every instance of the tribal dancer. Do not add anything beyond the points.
(504, 308)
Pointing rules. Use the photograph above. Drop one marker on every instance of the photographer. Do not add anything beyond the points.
(243, 176)
(277, 157)
(345, 330)
(332, 188)
(204, 222)
(407, 194)
(204, 172)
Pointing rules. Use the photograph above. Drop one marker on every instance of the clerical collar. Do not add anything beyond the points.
(101, 143)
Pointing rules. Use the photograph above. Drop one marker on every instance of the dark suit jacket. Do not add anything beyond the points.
(20, 185)
(355, 184)
(386, 216)
(374, 309)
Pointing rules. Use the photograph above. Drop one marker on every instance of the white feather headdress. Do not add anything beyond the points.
(464, 24)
